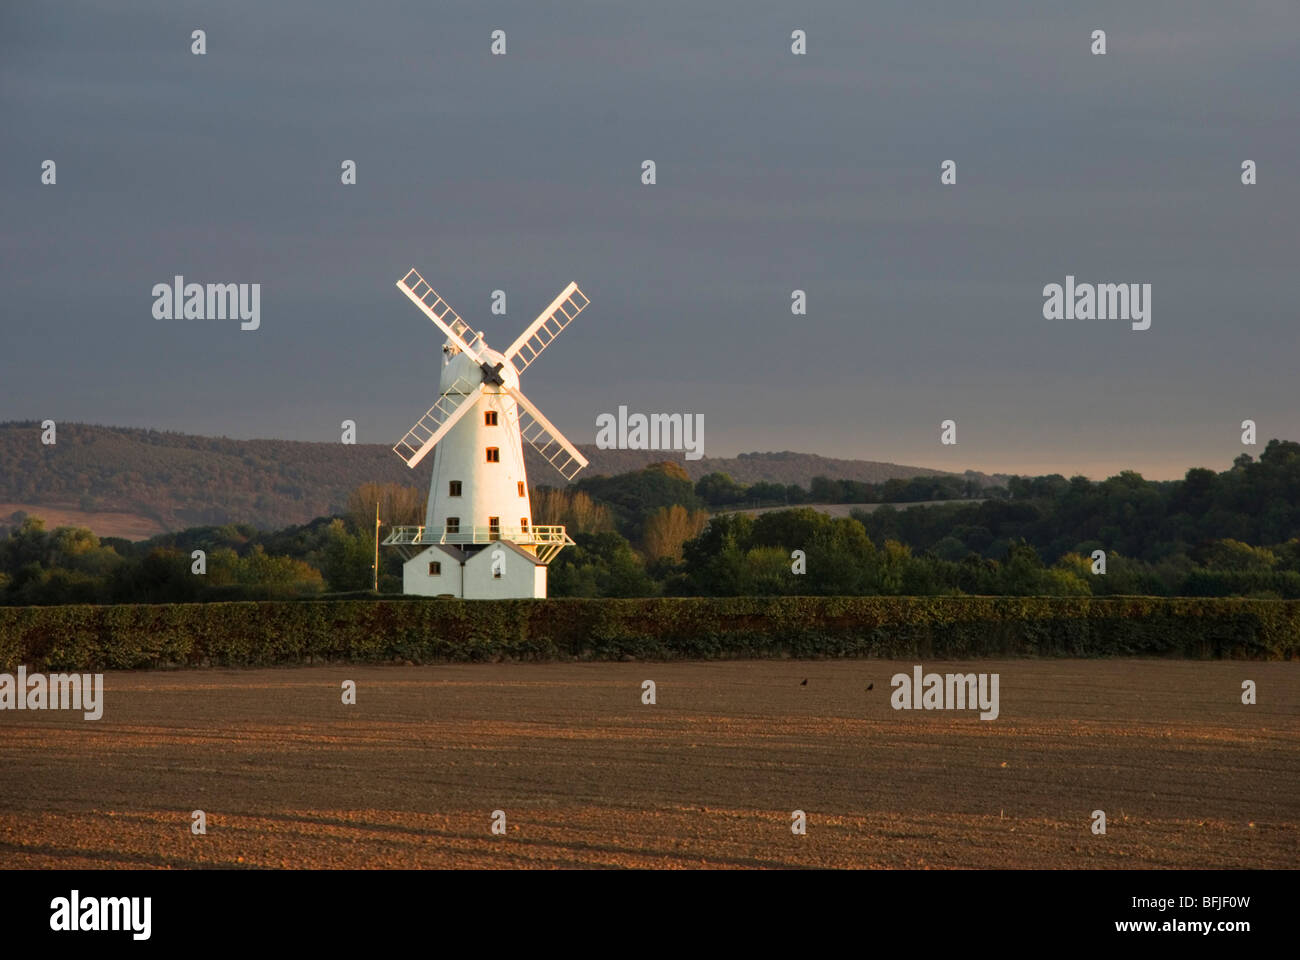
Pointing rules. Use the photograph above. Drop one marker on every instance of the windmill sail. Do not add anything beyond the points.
(439, 419)
(539, 334)
(545, 438)
(437, 309)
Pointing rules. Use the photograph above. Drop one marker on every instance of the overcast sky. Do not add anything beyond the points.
(775, 172)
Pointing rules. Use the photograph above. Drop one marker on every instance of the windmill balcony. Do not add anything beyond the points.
(547, 540)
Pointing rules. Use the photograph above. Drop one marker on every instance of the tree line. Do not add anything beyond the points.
(652, 532)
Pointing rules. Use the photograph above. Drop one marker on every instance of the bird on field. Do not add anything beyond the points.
(870, 685)
(804, 683)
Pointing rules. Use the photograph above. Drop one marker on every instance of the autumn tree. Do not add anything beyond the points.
(668, 528)
(575, 509)
(398, 506)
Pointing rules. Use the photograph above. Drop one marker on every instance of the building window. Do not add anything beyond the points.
(493, 455)
(494, 528)
(453, 524)
(490, 418)
(523, 524)
(496, 573)
(521, 488)
(453, 488)
(435, 568)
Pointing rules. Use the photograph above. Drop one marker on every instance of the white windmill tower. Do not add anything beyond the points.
(478, 539)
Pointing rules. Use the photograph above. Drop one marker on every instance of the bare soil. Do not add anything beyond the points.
(588, 776)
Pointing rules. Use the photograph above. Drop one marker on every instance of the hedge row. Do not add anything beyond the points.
(422, 631)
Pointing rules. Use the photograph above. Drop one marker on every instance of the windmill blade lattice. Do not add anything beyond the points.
(545, 438)
(529, 345)
(438, 421)
(438, 310)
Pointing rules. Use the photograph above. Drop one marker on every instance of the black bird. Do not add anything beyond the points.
(870, 685)
(804, 683)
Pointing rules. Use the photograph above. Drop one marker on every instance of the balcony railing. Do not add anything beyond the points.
(549, 540)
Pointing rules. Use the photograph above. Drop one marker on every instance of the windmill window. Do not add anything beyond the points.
(490, 418)
(453, 524)
(453, 488)
(435, 568)
(494, 528)
(493, 455)
(523, 524)
(521, 488)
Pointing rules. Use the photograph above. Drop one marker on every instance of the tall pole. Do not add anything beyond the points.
(376, 545)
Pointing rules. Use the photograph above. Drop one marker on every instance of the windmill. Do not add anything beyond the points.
(478, 539)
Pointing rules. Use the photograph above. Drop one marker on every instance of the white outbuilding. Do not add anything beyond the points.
(498, 571)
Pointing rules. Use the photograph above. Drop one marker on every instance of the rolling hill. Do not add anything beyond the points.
(123, 481)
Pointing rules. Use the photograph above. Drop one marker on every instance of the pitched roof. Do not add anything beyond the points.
(456, 553)
(486, 551)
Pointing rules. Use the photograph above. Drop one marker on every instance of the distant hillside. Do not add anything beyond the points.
(174, 480)
(848, 509)
(783, 467)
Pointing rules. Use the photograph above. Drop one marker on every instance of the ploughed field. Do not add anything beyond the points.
(588, 776)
